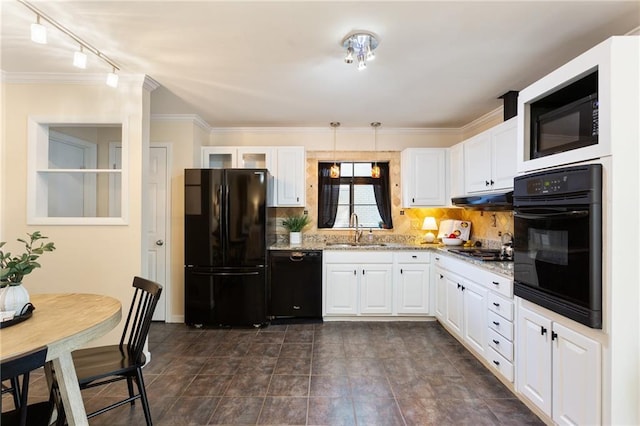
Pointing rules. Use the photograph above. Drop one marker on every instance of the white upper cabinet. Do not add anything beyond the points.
(503, 159)
(232, 157)
(290, 176)
(477, 154)
(456, 170)
(490, 159)
(424, 177)
(287, 166)
(616, 61)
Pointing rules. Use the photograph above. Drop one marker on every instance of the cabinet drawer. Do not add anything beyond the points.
(500, 364)
(501, 306)
(501, 325)
(497, 283)
(357, 256)
(412, 257)
(500, 344)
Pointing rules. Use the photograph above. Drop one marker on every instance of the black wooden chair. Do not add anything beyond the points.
(107, 364)
(21, 366)
(14, 389)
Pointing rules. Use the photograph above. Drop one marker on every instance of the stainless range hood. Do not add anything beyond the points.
(497, 201)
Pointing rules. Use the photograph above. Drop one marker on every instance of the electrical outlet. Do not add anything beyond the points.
(401, 212)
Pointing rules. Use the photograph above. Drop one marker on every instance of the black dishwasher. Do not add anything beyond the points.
(295, 284)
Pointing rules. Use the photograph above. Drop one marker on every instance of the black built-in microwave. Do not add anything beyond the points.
(565, 120)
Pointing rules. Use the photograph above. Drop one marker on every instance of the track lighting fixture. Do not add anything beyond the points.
(39, 35)
(112, 79)
(80, 59)
(361, 44)
(38, 32)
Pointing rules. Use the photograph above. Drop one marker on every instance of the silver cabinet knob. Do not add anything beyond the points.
(159, 243)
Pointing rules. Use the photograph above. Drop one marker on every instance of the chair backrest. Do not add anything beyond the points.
(145, 298)
(22, 365)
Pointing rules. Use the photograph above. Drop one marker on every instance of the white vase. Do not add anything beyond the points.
(295, 238)
(13, 298)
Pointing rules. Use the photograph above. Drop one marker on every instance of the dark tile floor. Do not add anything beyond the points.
(336, 373)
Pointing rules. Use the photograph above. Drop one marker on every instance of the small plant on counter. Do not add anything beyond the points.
(296, 223)
(14, 268)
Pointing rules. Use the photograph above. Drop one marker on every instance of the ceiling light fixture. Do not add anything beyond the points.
(375, 170)
(334, 171)
(362, 44)
(38, 32)
(80, 59)
(112, 77)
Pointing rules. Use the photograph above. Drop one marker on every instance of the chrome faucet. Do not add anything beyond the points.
(353, 223)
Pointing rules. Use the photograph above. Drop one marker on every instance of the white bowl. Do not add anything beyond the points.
(452, 241)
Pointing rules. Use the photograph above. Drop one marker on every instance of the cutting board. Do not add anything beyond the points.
(450, 226)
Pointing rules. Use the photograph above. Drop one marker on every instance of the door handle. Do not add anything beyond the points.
(159, 243)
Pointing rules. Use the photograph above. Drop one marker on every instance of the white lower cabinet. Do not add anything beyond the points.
(558, 369)
(453, 310)
(376, 283)
(375, 289)
(341, 289)
(476, 306)
(358, 282)
(440, 284)
(464, 308)
(411, 281)
(475, 314)
(500, 319)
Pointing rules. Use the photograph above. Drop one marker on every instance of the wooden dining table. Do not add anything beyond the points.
(63, 323)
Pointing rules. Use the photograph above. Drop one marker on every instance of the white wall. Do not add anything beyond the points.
(88, 259)
(347, 139)
(186, 137)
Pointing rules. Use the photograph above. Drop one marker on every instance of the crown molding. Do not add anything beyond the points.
(150, 84)
(76, 78)
(190, 118)
(343, 130)
(478, 122)
(635, 31)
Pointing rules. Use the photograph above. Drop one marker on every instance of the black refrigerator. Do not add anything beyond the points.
(228, 229)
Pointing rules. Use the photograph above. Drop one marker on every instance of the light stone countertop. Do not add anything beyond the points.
(504, 268)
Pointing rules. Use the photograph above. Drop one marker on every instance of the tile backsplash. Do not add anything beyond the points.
(407, 223)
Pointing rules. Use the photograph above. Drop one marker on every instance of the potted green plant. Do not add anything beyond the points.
(294, 224)
(13, 295)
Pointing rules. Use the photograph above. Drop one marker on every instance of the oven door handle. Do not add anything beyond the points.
(560, 215)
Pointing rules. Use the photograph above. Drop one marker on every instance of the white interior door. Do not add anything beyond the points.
(71, 194)
(157, 229)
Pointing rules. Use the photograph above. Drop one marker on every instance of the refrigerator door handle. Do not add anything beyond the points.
(226, 274)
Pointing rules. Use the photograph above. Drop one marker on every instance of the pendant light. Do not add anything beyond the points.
(375, 170)
(334, 172)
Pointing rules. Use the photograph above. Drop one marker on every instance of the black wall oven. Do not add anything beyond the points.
(558, 241)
